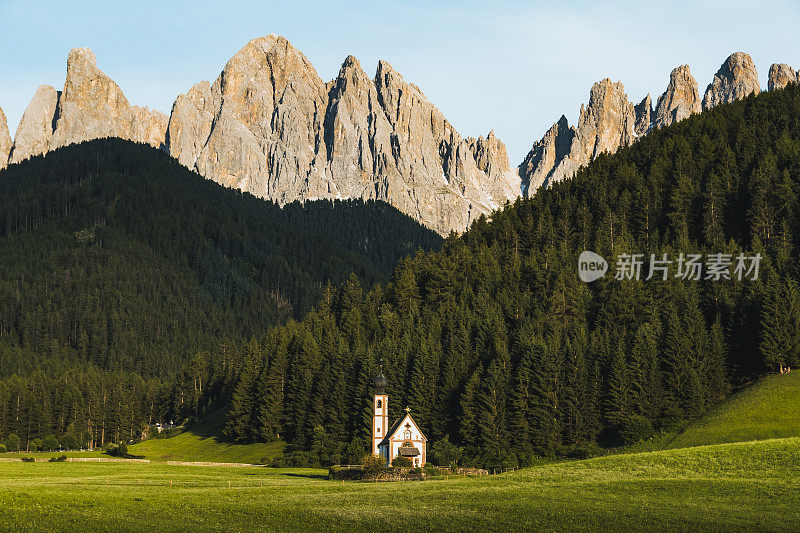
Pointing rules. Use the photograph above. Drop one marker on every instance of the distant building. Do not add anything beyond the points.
(401, 439)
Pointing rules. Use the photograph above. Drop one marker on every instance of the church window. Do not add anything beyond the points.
(407, 434)
(379, 404)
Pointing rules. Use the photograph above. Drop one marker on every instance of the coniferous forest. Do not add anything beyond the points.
(124, 277)
(499, 349)
(503, 354)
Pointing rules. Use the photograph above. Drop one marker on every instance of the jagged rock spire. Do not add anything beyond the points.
(735, 79)
(781, 75)
(5, 141)
(679, 100)
(35, 130)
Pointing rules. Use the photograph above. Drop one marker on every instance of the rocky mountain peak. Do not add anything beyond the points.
(5, 140)
(644, 115)
(547, 155)
(490, 154)
(272, 127)
(608, 122)
(190, 123)
(781, 75)
(679, 100)
(92, 106)
(35, 130)
(735, 79)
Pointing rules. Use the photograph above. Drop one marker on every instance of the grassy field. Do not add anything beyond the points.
(769, 408)
(746, 486)
(691, 483)
(201, 443)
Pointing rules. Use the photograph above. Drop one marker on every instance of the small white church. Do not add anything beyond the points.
(401, 439)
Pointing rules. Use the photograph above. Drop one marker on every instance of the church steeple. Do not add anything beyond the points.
(380, 417)
(380, 383)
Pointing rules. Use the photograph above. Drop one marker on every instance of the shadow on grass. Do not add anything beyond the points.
(306, 476)
(210, 426)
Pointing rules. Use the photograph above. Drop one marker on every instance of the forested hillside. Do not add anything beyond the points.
(498, 347)
(122, 273)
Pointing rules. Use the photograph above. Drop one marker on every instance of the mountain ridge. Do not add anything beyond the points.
(269, 125)
(611, 121)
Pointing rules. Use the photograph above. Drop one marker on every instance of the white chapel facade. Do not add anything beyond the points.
(401, 439)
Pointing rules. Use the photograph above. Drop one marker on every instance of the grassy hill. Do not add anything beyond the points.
(201, 443)
(767, 409)
(730, 487)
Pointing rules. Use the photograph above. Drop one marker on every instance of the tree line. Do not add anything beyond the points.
(121, 272)
(503, 353)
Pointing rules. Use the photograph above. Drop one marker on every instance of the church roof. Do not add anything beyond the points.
(396, 426)
(408, 450)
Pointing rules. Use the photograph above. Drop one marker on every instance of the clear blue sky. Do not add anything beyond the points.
(512, 66)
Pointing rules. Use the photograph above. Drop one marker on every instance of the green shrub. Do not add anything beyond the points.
(68, 442)
(110, 448)
(2, 448)
(28, 460)
(402, 462)
(431, 470)
(50, 444)
(12, 443)
(166, 433)
(583, 451)
(444, 452)
(373, 463)
(634, 428)
(332, 471)
(500, 460)
(117, 450)
(60, 459)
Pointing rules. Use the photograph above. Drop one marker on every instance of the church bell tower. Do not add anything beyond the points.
(380, 417)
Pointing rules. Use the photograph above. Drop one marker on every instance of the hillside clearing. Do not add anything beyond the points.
(202, 442)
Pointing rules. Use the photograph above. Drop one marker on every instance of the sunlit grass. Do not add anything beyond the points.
(745, 486)
(202, 442)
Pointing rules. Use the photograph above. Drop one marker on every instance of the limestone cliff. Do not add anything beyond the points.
(90, 106)
(606, 123)
(270, 126)
(735, 79)
(35, 130)
(5, 140)
(644, 115)
(679, 100)
(781, 75)
(611, 121)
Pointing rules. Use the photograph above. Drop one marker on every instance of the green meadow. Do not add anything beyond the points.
(724, 472)
(743, 486)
